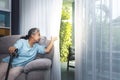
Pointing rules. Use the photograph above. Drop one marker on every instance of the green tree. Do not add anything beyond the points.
(65, 34)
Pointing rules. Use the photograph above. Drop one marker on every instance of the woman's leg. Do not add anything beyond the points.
(3, 69)
(14, 73)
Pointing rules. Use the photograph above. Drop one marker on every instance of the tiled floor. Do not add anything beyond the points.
(66, 75)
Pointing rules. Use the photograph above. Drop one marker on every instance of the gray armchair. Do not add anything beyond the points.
(38, 69)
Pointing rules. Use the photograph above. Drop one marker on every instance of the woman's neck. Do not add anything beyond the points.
(31, 42)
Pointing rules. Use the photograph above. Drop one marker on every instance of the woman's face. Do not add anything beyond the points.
(36, 36)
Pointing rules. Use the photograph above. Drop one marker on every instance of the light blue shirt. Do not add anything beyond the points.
(25, 53)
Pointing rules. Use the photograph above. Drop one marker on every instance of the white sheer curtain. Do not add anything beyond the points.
(45, 15)
(97, 44)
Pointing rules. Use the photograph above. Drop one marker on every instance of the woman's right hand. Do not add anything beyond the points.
(12, 49)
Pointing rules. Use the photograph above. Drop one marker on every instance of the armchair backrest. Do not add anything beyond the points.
(6, 42)
(45, 42)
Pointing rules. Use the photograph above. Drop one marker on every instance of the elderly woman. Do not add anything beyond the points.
(27, 47)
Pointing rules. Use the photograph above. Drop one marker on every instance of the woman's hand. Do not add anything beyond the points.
(53, 39)
(49, 47)
(12, 49)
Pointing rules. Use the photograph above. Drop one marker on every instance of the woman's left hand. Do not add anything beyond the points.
(54, 39)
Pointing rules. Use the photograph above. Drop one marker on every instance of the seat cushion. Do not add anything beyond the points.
(38, 64)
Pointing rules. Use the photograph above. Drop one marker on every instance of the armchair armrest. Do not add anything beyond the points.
(38, 64)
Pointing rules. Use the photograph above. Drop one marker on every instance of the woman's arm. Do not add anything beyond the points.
(49, 47)
(17, 45)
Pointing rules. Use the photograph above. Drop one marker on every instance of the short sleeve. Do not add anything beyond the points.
(18, 44)
(41, 49)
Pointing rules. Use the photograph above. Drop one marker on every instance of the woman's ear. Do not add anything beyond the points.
(32, 35)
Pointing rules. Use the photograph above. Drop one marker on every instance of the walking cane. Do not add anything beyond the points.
(10, 62)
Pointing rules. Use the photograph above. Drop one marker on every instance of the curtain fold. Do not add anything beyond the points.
(97, 44)
(45, 15)
(78, 38)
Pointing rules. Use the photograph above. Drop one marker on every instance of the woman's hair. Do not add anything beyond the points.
(30, 32)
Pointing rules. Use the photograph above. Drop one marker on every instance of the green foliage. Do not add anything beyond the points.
(65, 39)
(65, 34)
(65, 13)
